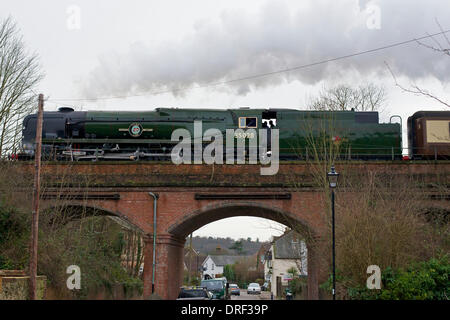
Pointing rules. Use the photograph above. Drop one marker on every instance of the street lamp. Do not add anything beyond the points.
(332, 177)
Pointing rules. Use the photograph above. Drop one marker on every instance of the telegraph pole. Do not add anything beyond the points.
(36, 190)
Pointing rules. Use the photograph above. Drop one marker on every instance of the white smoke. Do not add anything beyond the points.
(240, 45)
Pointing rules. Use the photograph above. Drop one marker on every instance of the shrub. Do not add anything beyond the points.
(228, 272)
(380, 220)
(296, 286)
(421, 281)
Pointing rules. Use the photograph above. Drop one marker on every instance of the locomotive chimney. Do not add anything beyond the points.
(65, 109)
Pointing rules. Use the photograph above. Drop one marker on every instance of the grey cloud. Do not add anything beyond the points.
(240, 45)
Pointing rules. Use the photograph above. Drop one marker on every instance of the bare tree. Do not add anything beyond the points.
(367, 97)
(19, 74)
(440, 46)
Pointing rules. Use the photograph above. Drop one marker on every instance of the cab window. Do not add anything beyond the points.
(248, 122)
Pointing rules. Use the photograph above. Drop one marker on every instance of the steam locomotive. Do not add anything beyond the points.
(107, 135)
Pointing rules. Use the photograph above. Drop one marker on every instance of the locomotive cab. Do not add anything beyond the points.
(269, 119)
(269, 122)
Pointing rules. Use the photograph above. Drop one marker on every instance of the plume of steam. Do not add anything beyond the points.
(239, 45)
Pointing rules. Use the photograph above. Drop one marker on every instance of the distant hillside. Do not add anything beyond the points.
(210, 245)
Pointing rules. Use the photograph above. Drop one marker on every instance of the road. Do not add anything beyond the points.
(265, 295)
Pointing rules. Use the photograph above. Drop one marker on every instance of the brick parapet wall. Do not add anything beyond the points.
(142, 174)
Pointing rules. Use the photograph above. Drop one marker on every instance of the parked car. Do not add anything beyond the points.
(216, 287)
(194, 293)
(253, 288)
(234, 289)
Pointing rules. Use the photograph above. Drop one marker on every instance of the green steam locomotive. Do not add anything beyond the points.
(122, 135)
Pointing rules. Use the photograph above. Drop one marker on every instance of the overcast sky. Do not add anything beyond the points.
(91, 49)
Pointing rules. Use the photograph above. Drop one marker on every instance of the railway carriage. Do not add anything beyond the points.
(429, 135)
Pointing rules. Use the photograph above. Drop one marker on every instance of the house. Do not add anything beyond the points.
(192, 261)
(286, 252)
(213, 264)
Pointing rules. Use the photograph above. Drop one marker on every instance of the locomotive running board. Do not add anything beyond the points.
(123, 156)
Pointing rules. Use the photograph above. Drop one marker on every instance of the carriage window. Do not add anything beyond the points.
(438, 131)
(248, 122)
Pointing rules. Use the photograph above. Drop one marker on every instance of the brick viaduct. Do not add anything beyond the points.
(190, 196)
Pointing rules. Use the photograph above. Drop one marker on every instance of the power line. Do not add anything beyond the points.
(261, 75)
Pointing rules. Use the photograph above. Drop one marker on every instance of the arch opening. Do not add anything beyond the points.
(306, 263)
(92, 238)
(209, 214)
(68, 212)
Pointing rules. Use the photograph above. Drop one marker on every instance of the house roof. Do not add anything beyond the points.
(225, 259)
(186, 251)
(288, 246)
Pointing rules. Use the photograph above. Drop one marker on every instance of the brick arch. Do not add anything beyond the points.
(90, 209)
(196, 219)
(170, 245)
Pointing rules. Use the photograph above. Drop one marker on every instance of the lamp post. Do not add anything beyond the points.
(332, 177)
